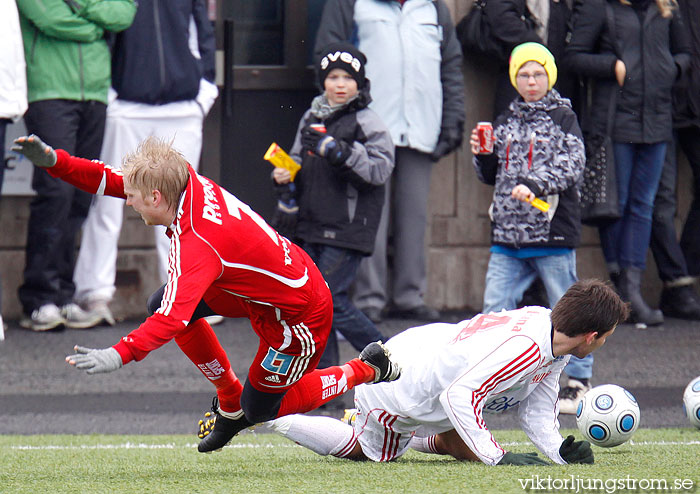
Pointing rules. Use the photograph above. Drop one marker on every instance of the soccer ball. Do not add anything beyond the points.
(607, 415)
(691, 401)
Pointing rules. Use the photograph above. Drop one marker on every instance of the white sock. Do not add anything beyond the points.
(231, 415)
(322, 435)
(424, 444)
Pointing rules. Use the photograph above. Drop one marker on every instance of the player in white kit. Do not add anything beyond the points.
(453, 374)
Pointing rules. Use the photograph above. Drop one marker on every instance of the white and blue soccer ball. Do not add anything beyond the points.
(691, 401)
(608, 415)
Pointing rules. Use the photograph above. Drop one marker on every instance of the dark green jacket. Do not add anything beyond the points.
(65, 49)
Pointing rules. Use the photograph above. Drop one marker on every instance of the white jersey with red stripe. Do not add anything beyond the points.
(221, 248)
(454, 373)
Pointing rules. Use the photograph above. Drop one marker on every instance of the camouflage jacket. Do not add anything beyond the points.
(539, 145)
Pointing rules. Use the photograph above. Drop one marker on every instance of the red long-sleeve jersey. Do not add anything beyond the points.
(220, 251)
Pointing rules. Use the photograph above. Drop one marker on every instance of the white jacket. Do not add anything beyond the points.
(13, 72)
(414, 63)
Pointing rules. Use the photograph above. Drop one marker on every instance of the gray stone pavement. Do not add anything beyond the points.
(165, 393)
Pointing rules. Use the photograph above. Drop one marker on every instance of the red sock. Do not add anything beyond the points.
(199, 342)
(322, 385)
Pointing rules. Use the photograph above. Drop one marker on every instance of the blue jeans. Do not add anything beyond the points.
(639, 166)
(339, 268)
(508, 277)
(580, 368)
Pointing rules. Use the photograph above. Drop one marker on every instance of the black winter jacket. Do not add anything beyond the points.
(156, 47)
(341, 205)
(655, 52)
(686, 97)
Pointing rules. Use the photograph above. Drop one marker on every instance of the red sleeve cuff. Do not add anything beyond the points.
(123, 349)
(62, 158)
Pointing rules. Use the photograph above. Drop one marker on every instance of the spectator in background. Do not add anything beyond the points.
(638, 58)
(679, 264)
(163, 77)
(13, 83)
(514, 22)
(68, 75)
(340, 186)
(415, 64)
(538, 152)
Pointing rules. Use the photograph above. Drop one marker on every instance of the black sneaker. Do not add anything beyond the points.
(216, 431)
(376, 356)
(681, 302)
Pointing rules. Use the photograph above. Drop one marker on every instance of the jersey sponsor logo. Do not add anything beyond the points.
(212, 370)
(211, 210)
(276, 362)
(273, 379)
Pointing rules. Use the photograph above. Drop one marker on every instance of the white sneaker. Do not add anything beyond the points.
(214, 320)
(45, 318)
(101, 308)
(571, 395)
(78, 318)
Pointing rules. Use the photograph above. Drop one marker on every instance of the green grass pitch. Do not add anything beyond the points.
(656, 460)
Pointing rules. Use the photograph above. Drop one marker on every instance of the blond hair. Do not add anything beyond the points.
(156, 165)
(666, 7)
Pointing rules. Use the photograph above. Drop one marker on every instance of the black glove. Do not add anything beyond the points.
(284, 219)
(449, 140)
(521, 459)
(324, 145)
(576, 452)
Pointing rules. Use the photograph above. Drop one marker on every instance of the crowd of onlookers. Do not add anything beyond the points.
(101, 76)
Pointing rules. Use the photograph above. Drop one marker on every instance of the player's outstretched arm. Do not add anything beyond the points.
(576, 452)
(95, 361)
(35, 150)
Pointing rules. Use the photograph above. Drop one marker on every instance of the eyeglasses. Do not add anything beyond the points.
(525, 77)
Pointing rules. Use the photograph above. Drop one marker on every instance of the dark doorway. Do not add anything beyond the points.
(268, 84)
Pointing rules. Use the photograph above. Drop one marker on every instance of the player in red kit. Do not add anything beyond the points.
(223, 259)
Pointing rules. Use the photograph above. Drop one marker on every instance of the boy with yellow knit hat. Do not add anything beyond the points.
(538, 153)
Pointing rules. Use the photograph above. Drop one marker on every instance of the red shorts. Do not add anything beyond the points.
(289, 348)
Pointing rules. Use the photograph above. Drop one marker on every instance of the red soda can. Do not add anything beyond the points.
(485, 132)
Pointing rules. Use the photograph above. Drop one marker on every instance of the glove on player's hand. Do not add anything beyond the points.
(576, 452)
(521, 459)
(35, 150)
(95, 361)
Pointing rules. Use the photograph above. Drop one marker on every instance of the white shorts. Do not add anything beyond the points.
(382, 436)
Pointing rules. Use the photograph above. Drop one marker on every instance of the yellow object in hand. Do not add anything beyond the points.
(540, 204)
(280, 159)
